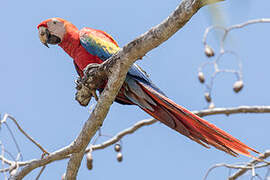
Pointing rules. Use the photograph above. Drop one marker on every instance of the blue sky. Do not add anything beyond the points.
(37, 86)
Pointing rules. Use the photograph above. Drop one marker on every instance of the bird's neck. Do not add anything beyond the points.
(71, 42)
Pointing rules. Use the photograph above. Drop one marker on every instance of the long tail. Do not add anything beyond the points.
(192, 126)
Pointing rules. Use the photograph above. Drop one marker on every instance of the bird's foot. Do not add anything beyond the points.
(94, 77)
(83, 94)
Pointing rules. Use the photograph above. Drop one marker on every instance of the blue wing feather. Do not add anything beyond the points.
(136, 72)
(96, 43)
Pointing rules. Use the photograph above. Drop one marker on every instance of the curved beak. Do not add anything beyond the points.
(44, 35)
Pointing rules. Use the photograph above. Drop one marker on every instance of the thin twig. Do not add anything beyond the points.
(244, 167)
(234, 110)
(4, 170)
(230, 28)
(40, 172)
(6, 161)
(6, 116)
(123, 133)
(3, 163)
(239, 173)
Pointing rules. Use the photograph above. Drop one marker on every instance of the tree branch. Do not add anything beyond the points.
(234, 110)
(4, 120)
(249, 166)
(120, 135)
(117, 67)
(64, 153)
(242, 168)
(229, 29)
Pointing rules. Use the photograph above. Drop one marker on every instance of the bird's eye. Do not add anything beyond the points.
(54, 22)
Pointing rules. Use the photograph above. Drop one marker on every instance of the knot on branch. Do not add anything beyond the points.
(94, 77)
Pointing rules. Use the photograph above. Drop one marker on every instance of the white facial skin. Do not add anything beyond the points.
(56, 28)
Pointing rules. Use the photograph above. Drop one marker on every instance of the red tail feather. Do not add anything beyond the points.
(194, 127)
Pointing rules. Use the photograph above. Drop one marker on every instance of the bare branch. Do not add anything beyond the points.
(6, 161)
(123, 133)
(230, 28)
(234, 110)
(4, 170)
(243, 167)
(65, 152)
(3, 163)
(40, 172)
(242, 171)
(6, 116)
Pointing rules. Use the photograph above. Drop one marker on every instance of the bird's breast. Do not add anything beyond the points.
(83, 58)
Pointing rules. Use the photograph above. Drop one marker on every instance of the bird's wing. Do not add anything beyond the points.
(98, 43)
(102, 45)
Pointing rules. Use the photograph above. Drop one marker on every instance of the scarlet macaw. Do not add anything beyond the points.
(89, 45)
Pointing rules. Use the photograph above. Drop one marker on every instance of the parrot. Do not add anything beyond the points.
(90, 45)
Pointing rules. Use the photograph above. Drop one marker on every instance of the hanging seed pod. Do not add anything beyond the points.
(89, 161)
(211, 105)
(201, 77)
(119, 157)
(117, 147)
(207, 97)
(238, 86)
(208, 51)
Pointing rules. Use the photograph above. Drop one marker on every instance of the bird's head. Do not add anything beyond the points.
(53, 30)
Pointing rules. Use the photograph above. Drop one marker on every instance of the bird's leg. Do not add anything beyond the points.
(94, 77)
